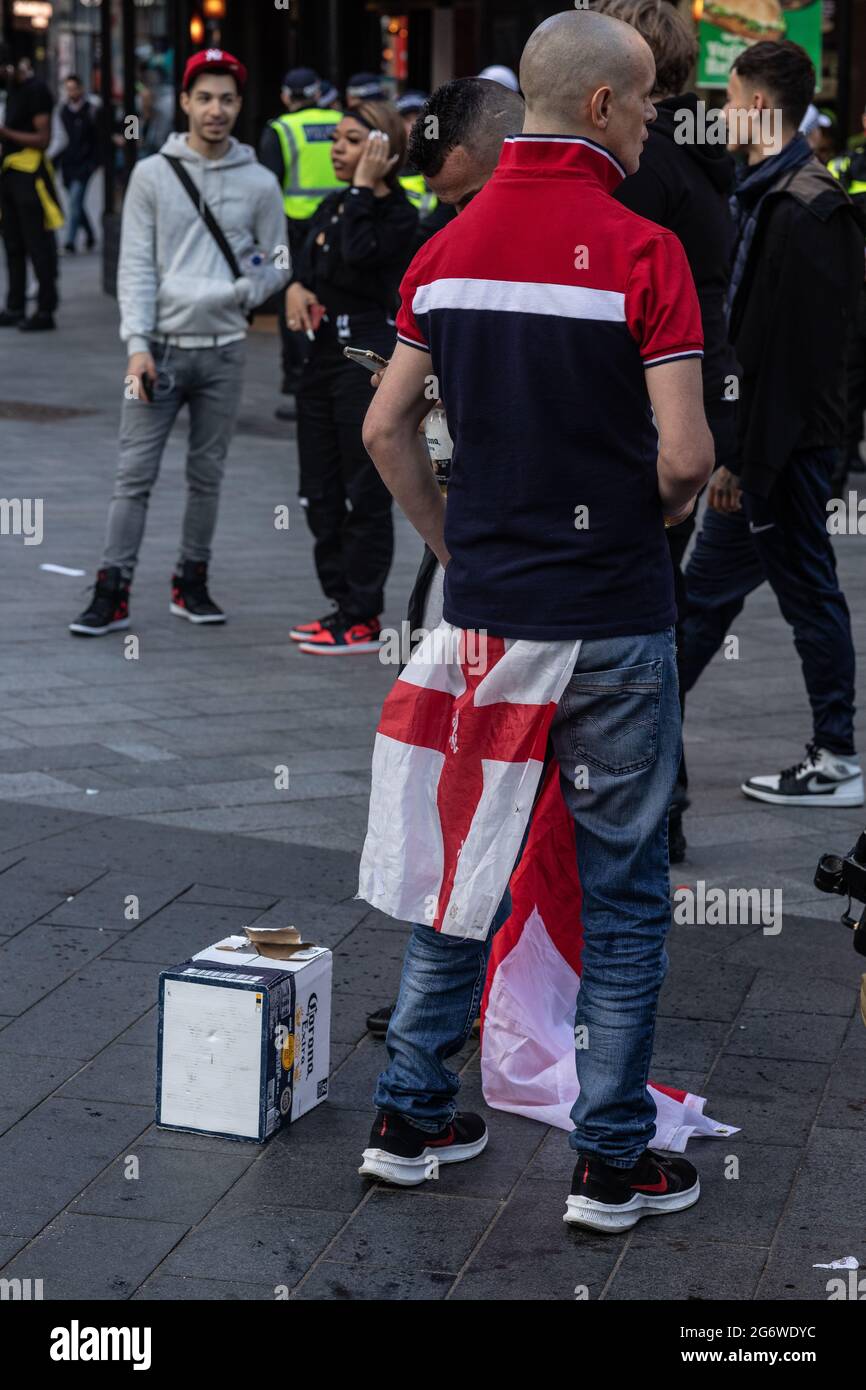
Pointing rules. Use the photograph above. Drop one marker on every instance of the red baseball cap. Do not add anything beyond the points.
(214, 60)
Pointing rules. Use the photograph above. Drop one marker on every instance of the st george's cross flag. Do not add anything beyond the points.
(456, 767)
(533, 977)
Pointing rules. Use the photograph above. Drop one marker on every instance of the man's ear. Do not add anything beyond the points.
(184, 103)
(600, 107)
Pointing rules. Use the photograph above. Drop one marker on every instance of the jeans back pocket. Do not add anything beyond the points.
(613, 716)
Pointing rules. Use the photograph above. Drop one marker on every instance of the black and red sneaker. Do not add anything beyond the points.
(304, 631)
(346, 637)
(108, 610)
(189, 595)
(604, 1198)
(402, 1154)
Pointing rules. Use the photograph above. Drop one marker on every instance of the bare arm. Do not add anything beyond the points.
(392, 441)
(39, 139)
(686, 450)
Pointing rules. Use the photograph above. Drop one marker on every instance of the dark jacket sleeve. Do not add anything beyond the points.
(375, 236)
(798, 301)
(271, 154)
(646, 194)
(302, 265)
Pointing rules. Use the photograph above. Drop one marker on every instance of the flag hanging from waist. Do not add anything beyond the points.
(456, 765)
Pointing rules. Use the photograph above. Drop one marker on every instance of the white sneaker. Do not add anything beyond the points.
(821, 779)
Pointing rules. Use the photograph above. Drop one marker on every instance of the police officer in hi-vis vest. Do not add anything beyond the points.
(414, 185)
(296, 147)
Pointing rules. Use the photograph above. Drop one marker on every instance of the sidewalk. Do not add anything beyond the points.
(155, 776)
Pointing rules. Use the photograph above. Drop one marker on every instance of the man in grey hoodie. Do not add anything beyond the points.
(184, 320)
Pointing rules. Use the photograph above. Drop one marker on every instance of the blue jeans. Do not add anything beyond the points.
(791, 548)
(617, 734)
(77, 218)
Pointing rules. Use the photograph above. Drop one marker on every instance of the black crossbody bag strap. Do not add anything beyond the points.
(207, 216)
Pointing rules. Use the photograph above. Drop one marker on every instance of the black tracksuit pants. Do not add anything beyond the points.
(26, 235)
(348, 506)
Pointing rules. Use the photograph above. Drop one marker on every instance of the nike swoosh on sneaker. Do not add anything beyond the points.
(651, 1187)
(819, 783)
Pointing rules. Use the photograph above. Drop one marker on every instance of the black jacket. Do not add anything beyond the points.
(685, 187)
(790, 322)
(81, 157)
(357, 249)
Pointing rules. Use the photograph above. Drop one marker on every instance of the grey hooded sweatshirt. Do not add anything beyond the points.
(173, 280)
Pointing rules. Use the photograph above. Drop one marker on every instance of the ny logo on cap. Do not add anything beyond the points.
(214, 55)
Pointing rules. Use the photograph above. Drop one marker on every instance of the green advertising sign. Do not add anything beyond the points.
(722, 32)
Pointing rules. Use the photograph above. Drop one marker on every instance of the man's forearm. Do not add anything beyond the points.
(403, 463)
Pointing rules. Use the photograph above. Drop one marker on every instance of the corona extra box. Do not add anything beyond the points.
(244, 1036)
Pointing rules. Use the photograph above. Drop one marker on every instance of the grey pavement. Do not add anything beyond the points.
(153, 773)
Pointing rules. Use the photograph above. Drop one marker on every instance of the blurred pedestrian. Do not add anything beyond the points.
(296, 147)
(329, 98)
(850, 170)
(344, 293)
(797, 273)
(201, 242)
(364, 86)
(497, 72)
(412, 182)
(79, 160)
(685, 185)
(30, 211)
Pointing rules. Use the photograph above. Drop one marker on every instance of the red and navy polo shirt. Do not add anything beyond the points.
(542, 306)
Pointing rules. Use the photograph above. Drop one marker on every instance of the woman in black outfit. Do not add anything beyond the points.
(344, 292)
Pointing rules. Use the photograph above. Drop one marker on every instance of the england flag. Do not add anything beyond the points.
(457, 764)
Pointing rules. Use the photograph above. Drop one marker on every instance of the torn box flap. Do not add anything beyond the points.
(279, 943)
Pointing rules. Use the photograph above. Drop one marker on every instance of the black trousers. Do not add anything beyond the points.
(294, 347)
(856, 381)
(348, 506)
(25, 236)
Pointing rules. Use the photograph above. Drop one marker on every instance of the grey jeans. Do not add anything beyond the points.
(209, 380)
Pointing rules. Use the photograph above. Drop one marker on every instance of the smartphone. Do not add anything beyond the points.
(148, 386)
(366, 358)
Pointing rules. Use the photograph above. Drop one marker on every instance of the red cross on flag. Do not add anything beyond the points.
(458, 755)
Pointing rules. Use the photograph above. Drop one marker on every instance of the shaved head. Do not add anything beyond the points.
(580, 71)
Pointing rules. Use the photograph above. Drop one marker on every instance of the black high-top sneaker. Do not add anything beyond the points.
(608, 1199)
(108, 610)
(189, 596)
(402, 1154)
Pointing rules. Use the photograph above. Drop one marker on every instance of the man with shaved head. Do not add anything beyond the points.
(556, 323)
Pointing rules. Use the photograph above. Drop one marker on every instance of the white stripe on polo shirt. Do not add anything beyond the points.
(521, 297)
(671, 357)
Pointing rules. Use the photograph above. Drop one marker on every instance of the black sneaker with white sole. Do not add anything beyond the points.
(108, 610)
(189, 595)
(402, 1154)
(608, 1199)
(820, 779)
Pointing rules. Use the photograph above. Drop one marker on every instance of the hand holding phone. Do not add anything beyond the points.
(366, 358)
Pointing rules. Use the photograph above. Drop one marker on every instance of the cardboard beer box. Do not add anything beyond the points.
(244, 1035)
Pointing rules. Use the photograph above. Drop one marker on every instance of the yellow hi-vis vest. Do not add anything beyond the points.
(418, 193)
(308, 175)
(840, 168)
